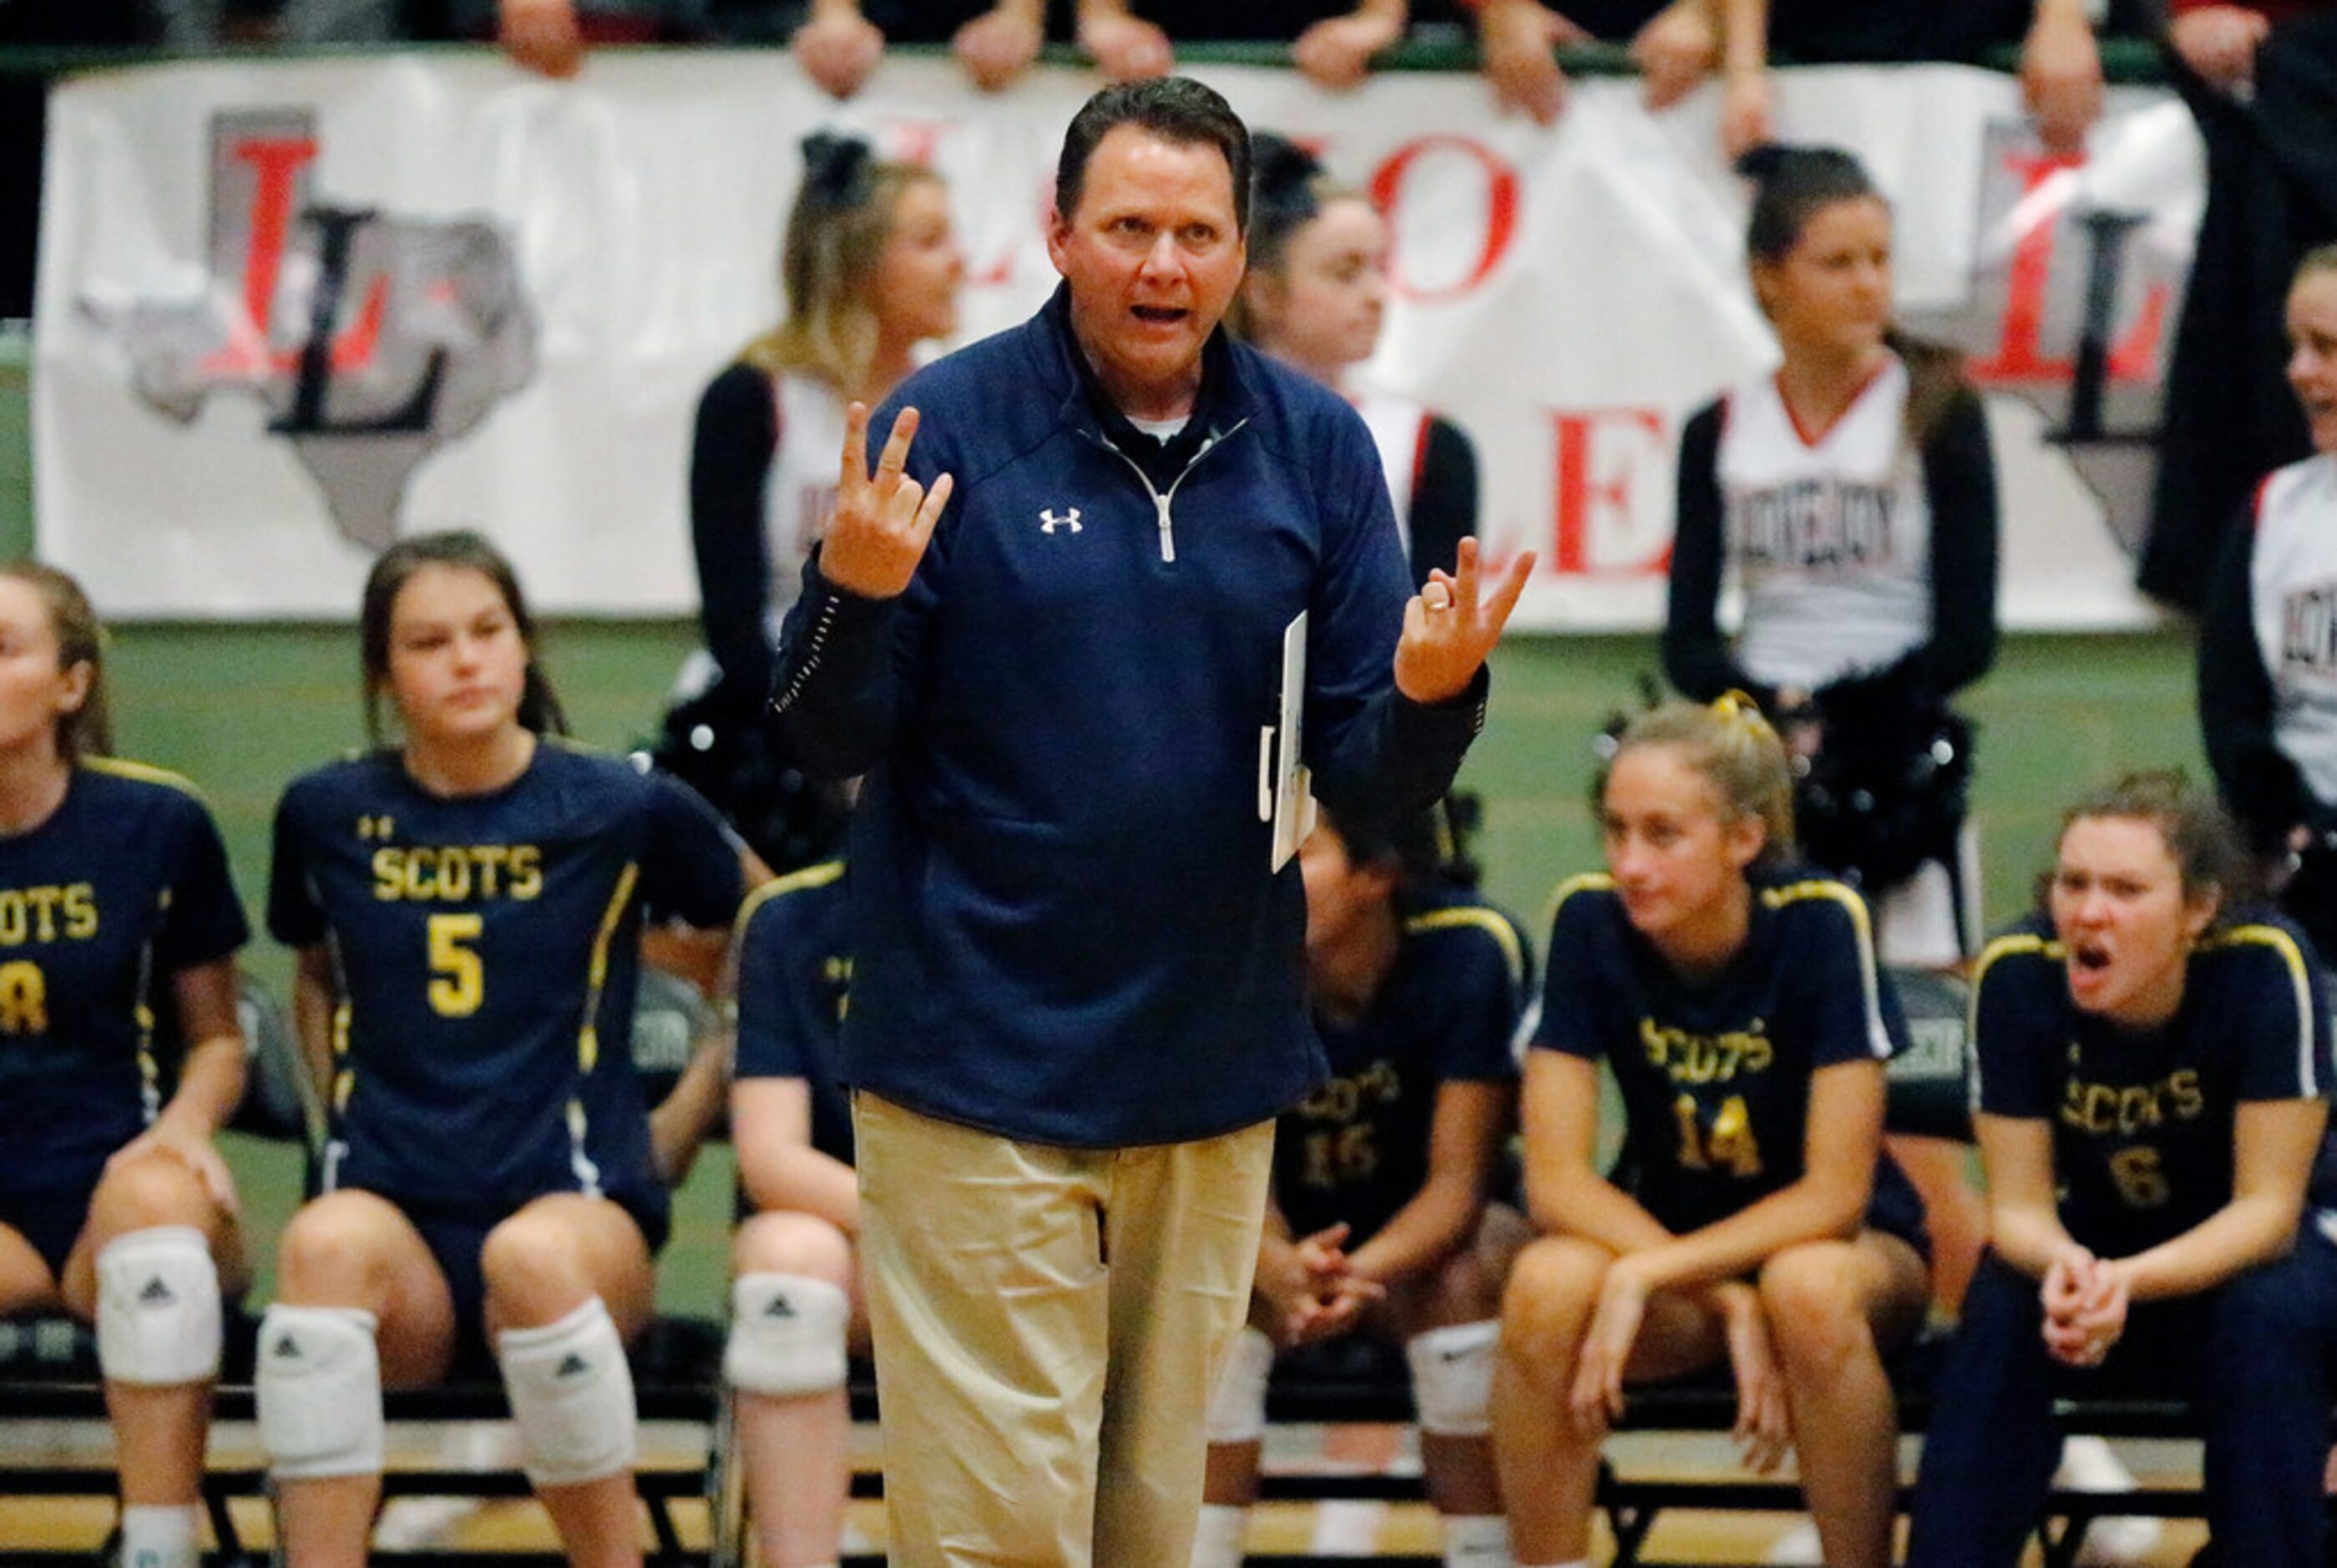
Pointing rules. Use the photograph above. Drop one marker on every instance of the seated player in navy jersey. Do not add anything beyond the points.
(115, 903)
(1754, 1218)
(1380, 1220)
(797, 1309)
(2150, 1061)
(465, 906)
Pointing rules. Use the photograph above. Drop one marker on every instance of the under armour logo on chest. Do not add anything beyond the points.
(1049, 522)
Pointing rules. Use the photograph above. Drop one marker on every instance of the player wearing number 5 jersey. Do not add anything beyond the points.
(116, 904)
(1753, 1217)
(2150, 1070)
(466, 908)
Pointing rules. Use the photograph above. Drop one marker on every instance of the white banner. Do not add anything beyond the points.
(288, 309)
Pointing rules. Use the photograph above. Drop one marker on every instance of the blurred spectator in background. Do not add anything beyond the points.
(837, 41)
(840, 40)
(2260, 79)
(1674, 43)
(1332, 42)
(871, 270)
(1314, 297)
(2060, 67)
(2268, 645)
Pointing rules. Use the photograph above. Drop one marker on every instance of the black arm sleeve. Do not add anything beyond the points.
(1443, 499)
(2260, 785)
(835, 696)
(1696, 658)
(730, 452)
(1959, 483)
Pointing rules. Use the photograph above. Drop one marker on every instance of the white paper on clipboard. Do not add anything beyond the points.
(1292, 801)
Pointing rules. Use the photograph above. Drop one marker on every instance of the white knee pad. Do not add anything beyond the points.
(157, 1307)
(786, 1334)
(1238, 1403)
(1453, 1377)
(319, 1392)
(571, 1396)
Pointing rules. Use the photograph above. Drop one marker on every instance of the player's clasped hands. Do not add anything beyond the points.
(1310, 1292)
(1451, 624)
(884, 519)
(2085, 1299)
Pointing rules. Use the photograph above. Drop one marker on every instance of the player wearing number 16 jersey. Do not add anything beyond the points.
(466, 909)
(2150, 1071)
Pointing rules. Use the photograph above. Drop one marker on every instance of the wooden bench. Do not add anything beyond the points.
(48, 1372)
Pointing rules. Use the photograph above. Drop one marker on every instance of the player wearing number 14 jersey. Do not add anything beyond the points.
(1752, 1218)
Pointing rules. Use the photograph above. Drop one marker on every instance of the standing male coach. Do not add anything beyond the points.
(1054, 639)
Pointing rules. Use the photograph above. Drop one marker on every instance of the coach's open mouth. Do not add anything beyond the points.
(1160, 315)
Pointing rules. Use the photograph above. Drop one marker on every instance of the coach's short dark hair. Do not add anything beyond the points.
(1174, 108)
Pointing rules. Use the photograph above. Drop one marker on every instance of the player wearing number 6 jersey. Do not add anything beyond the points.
(1753, 1217)
(114, 905)
(2150, 1067)
(466, 908)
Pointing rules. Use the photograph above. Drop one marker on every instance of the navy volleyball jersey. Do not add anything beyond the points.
(487, 948)
(795, 971)
(123, 886)
(1356, 1149)
(2142, 1123)
(1716, 1075)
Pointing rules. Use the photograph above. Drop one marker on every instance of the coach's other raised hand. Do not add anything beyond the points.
(883, 520)
(1448, 629)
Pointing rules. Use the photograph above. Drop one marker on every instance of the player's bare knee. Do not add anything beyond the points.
(782, 1243)
(533, 1271)
(332, 1254)
(153, 1190)
(1553, 1292)
(1816, 1316)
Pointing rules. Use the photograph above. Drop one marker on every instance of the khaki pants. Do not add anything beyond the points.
(1048, 1324)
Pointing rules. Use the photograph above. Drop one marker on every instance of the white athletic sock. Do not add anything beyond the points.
(1218, 1540)
(160, 1536)
(1476, 1541)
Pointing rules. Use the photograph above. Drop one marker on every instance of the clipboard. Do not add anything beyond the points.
(1285, 798)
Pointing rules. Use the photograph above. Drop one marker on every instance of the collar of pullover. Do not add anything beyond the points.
(1215, 407)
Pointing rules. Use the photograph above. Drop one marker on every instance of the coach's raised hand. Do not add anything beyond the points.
(883, 520)
(1448, 629)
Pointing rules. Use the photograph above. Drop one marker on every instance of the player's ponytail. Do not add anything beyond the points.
(1737, 750)
(539, 704)
(88, 729)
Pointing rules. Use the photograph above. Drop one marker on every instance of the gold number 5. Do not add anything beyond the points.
(458, 980)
